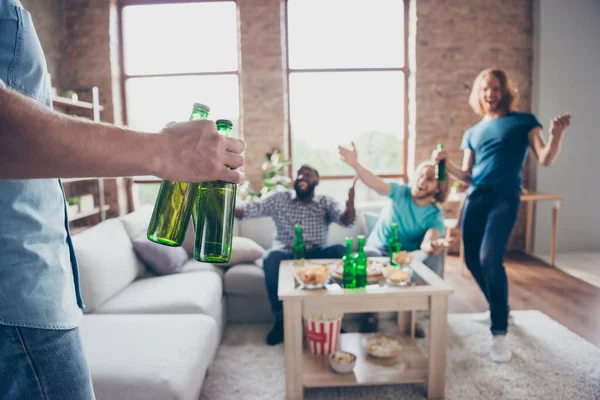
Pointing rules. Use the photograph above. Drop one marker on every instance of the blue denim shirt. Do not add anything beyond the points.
(39, 283)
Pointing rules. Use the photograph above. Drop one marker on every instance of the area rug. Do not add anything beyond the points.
(549, 362)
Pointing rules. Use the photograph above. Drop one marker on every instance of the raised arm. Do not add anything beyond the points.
(36, 142)
(374, 182)
(546, 153)
(463, 173)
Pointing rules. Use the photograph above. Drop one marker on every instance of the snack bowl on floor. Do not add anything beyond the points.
(342, 362)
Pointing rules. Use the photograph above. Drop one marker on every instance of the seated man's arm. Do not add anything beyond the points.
(374, 182)
(263, 207)
(434, 242)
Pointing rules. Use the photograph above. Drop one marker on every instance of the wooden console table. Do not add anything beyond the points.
(529, 198)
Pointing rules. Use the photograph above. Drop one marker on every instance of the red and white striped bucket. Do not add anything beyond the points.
(323, 332)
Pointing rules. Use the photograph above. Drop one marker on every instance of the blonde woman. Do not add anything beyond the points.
(494, 154)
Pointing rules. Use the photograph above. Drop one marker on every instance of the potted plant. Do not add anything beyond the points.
(275, 177)
(72, 206)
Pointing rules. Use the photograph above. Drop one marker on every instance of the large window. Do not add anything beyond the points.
(347, 82)
(175, 55)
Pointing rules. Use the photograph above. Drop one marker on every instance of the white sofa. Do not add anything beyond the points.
(154, 337)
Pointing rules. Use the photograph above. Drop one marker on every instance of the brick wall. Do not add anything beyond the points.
(91, 48)
(263, 85)
(454, 42)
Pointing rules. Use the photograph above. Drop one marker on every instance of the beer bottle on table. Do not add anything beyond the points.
(441, 166)
(394, 245)
(214, 214)
(361, 263)
(298, 248)
(173, 207)
(349, 273)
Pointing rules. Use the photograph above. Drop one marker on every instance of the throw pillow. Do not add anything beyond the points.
(244, 250)
(163, 260)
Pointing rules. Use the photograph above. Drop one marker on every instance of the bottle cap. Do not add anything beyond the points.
(224, 122)
(440, 146)
(202, 106)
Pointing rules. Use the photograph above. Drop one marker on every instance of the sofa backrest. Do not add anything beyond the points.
(107, 262)
(262, 230)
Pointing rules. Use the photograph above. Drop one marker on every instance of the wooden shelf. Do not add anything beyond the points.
(78, 229)
(86, 214)
(410, 366)
(68, 103)
(69, 180)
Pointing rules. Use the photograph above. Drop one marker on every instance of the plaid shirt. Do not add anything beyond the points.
(287, 211)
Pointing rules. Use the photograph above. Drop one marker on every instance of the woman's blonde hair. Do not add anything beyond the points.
(443, 186)
(510, 95)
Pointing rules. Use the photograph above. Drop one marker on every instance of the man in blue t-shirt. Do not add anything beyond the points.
(494, 154)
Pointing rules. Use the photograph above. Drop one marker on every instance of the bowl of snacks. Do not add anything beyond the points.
(342, 362)
(313, 276)
(402, 258)
(382, 345)
(397, 276)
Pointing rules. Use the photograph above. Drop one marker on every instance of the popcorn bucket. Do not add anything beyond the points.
(323, 332)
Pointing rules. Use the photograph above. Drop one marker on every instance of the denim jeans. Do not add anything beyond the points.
(488, 219)
(43, 364)
(271, 261)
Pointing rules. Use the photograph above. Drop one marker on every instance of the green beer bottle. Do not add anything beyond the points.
(441, 166)
(394, 245)
(349, 278)
(361, 263)
(214, 213)
(173, 207)
(298, 248)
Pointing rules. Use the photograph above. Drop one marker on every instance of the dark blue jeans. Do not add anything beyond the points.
(271, 261)
(488, 219)
(44, 364)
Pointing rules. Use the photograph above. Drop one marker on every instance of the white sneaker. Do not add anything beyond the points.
(500, 351)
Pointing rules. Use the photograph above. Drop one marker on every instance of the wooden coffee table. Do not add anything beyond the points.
(429, 292)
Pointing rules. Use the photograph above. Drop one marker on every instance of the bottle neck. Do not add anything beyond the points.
(361, 247)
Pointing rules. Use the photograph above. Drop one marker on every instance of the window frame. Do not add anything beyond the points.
(404, 69)
(124, 76)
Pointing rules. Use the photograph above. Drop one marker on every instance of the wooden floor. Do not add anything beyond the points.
(533, 286)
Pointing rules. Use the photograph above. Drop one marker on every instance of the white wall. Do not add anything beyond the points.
(567, 78)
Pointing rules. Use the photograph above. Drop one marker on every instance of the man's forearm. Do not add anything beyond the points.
(348, 216)
(371, 180)
(551, 150)
(38, 143)
(458, 172)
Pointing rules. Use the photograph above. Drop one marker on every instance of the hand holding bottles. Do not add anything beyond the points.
(194, 152)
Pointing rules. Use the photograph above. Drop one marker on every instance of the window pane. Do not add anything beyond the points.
(147, 192)
(344, 34)
(336, 108)
(152, 102)
(180, 38)
(338, 189)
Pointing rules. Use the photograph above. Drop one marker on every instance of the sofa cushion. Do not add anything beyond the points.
(149, 357)
(107, 262)
(261, 230)
(162, 260)
(196, 266)
(245, 279)
(194, 292)
(136, 223)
